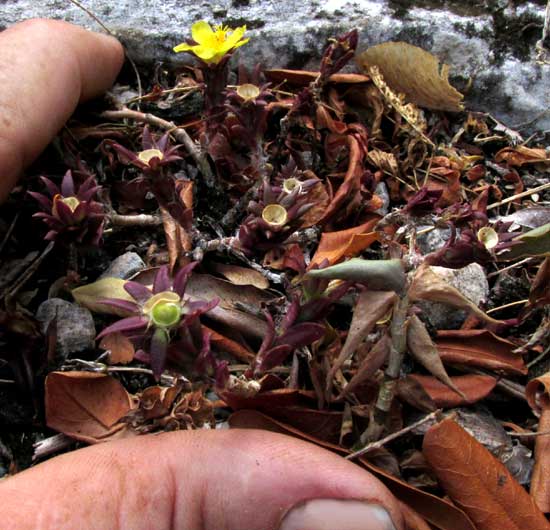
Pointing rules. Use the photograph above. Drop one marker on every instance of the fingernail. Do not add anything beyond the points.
(328, 514)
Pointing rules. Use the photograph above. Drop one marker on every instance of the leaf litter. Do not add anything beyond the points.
(280, 223)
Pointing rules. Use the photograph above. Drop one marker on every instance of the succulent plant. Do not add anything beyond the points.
(70, 211)
(161, 316)
(276, 216)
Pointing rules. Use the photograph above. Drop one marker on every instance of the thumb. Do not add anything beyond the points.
(199, 480)
(47, 68)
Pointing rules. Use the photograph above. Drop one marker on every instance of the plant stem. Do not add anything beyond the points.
(386, 393)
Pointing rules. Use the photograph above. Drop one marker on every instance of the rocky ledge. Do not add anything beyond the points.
(489, 44)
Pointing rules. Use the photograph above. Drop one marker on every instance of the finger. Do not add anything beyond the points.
(200, 480)
(46, 68)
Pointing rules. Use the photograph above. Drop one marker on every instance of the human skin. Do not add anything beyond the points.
(199, 480)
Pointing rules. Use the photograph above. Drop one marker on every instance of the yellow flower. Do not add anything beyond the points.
(213, 44)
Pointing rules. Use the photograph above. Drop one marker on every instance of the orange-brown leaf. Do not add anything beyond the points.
(540, 481)
(537, 392)
(121, 350)
(521, 155)
(86, 406)
(336, 246)
(225, 344)
(418, 390)
(478, 482)
(479, 347)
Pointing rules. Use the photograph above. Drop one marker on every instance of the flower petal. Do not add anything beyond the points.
(201, 32)
(67, 185)
(51, 187)
(182, 277)
(126, 324)
(183, 47)
(158, 349)
(162, 280)
(42, 200)
(126, 305)
(138, 292)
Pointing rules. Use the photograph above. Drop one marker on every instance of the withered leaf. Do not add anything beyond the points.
(414, 72)
(540, 480)
(241, 275)
(423, 350)
(90, 295)
(120, 347)
(371, 306)
(478, 482)
(537, 392)
(427, 393)
(479, 347)
(521, 155)
(428, 285)
(334, 246)
(87, 406)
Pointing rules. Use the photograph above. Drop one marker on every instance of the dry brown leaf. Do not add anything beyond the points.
(304, 77)
(427, 393)
(336, 246)
(521, 155)
(370, 364)
(439, 512)
(428, 285)
(371, 306)
(414, 72)
(121, 350)
(413, 521)
(178, 240)
(478, 482)
(222, 343)
(540, 480)
(537, 393)
(423, 350)
(87, 406)
(479, 347)
(90, 296)
(241, 275)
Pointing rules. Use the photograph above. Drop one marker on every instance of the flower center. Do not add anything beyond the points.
(147, 155)
(71, 202)
(488, 237)
(290, 184)
(275, 215)
(166, 314)
(248, 92)
(164, 309)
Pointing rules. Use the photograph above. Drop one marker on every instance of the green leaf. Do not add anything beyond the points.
(379, 275)
(90, 295)
(536, 242)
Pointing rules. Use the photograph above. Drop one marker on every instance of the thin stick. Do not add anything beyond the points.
(130, 60)
(9, 232)
(380, 443)
(141, 219)
(179, 133)
(519, 196)
(510, 267)
(528, 434)
(506, 306)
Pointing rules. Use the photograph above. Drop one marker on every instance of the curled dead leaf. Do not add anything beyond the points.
(87, 406)
(121, 350)
(414, 72)
(428, 285)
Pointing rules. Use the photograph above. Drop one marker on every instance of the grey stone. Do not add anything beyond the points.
(490, 42)
(75, 325)
(432, 240)
(124, 267)
(382, 192)
(471, 281)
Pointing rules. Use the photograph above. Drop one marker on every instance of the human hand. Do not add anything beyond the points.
(209, 480)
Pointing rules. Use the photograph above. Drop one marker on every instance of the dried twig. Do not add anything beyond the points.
(179, 133)
(525, 193)
(134, 220)
(380, 443)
